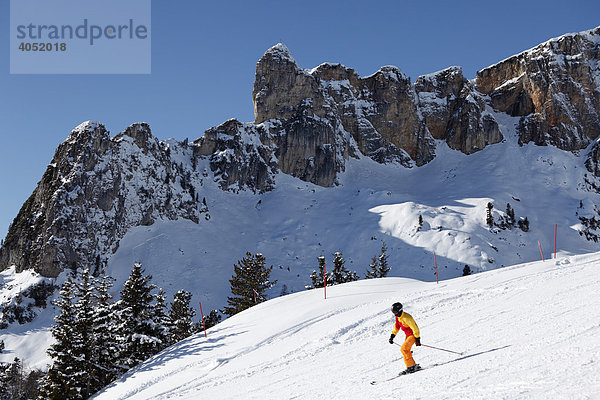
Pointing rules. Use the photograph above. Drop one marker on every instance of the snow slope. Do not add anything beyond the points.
(297, 222)
(527, 331)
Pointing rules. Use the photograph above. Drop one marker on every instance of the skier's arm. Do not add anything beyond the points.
(396, 327)
(395, 331)
(413, 325)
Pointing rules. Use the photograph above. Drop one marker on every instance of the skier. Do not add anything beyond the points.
(406, 322)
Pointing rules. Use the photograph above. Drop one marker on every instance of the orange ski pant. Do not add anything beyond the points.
(408, 343)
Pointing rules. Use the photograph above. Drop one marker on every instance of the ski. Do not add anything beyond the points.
(403, 373)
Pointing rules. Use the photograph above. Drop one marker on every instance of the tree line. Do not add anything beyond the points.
(98, 339)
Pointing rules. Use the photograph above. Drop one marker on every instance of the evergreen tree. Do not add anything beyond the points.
(420, 222)
(384, 268)
(524, 224)
(59, 383)
(162, 322)
(379, 264)
(14, 380)
(134, 311)
(32, 384)
(340, 274)
(466, 270)
(4, 382)
(16, 383)
(489, 219)
(84, 379)
(181, 315)
(284, 292)
(212, 319)
(106, 345)
(510, 215)
(249, 284)
(317, 277)
(373, 270)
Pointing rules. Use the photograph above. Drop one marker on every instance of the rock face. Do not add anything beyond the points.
(95, 189)
(554, 87)
(455, 111)
(388, 118)
(308, 123)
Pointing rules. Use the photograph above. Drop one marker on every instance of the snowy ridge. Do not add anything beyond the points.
(590, 35)
(527, 331)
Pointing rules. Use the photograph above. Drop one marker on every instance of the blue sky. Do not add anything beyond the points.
(204, 55)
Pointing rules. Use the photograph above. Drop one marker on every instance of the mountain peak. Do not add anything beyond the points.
(280, 52)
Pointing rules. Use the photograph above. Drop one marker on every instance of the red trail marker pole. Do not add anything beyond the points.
(324, 281)
(541, 253)
(436, 273)
(555, 232)
(202, 315)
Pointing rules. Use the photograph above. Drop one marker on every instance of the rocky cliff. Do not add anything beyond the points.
(308, 123)
(554, 87)
(388, 118)
(94, 190)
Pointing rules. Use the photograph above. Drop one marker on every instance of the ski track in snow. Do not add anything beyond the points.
(527, 331)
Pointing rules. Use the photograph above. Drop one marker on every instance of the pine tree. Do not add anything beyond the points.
(59, 382)
(524, 224)
(379, 264)
(284, 292)
(212, 319)
(420, 222)
(249, 284)
(317, 277)
(84, 379)
(13, 380)
(384, 268)
(489, 219)
(105, 350)
(5, 384)
(181, 315)
(134, 320)
(510, 215)
(162, 322)
(466, 270)
(373, 270)
(340, 274)
(76, 372)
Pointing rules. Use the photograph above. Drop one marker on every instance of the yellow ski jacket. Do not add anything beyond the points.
(406, 322)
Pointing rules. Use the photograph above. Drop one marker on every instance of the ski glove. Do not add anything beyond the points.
(392, 338)
(418, 341)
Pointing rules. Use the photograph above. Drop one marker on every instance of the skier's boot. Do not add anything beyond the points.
(411, 369)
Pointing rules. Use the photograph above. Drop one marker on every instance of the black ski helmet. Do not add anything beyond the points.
(397, 308)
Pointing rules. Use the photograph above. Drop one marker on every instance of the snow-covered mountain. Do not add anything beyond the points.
(526, 331)
(333, 162)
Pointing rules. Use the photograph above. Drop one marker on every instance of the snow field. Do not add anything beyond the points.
(528, 331)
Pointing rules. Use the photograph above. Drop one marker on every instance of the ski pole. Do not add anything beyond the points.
(437, 348)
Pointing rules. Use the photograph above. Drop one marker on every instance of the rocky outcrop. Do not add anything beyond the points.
(237, 156)
(389, 118)
(455, 112)
(554, 87)
(94, 190)
(592, 161)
